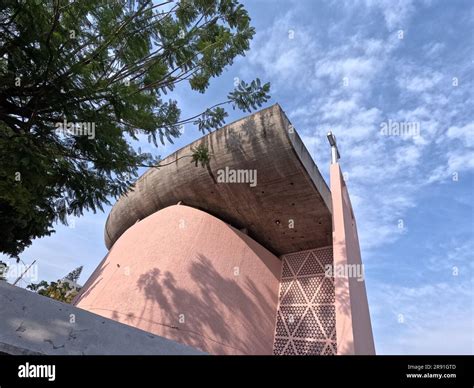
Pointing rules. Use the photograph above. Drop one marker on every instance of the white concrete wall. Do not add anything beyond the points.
(34, 324)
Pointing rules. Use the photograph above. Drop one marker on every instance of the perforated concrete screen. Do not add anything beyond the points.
(306, 319)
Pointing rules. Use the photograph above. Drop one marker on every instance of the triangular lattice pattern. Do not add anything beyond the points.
(306, 317)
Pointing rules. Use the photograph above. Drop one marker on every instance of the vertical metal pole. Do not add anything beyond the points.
(334, 151)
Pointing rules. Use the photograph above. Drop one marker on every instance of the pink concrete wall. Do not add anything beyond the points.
(353, 327)
(185, 275)
(306, 319)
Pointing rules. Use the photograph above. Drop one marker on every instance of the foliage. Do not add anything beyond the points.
(201, 155)
(74, 275)
(80, 80)
(63, 290)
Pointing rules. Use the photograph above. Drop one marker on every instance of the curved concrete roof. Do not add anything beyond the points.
(289, 186)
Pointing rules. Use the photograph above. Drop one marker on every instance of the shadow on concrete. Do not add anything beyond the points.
(207, 324)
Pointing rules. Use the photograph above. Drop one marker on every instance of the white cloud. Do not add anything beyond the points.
(334, 108)
(464, 133)
(352, 72)
(408, 155)
(283, 51)
(421, 83)
(426, 319)
(433, 49)
(395, 12)
(458, 142)
(460, 161)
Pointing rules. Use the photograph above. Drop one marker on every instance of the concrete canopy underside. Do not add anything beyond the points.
(289, 186)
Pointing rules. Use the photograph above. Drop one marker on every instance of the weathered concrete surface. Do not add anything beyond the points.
(190, 277)
(289, 186)
(34, 324)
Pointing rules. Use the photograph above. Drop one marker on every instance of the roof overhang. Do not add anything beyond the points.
(288, 210)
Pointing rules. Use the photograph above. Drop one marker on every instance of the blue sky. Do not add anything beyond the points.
(349, 66)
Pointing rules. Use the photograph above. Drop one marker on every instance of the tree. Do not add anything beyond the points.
(63, 290)
(81, 80)
(74, 275)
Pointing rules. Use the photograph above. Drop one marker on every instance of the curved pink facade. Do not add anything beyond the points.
(188, 276)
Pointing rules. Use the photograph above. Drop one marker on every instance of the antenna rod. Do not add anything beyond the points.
(25, 271)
